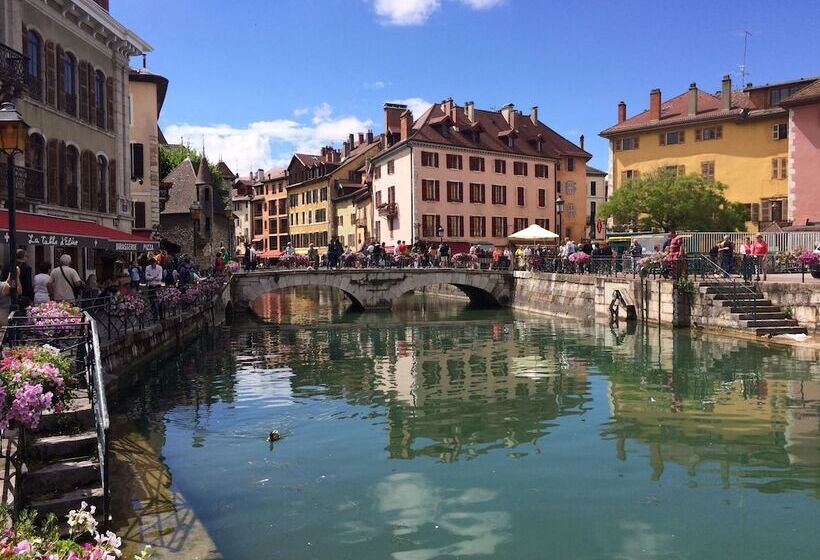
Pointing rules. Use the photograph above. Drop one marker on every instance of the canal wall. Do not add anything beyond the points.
(802, 299)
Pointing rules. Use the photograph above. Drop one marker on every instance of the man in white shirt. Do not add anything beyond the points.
(153, 273)
(64, 280)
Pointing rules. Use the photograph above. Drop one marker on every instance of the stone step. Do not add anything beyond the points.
(739, 296)
(61, 504)
(78, 416)
(760, 315)
(725, 289)
(772, 331)
(750, 303)
(47, 448)
(60, 476)
(769, 323)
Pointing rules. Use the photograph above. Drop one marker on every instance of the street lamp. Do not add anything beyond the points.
(195, 210)
(559, 209)
(13, 136)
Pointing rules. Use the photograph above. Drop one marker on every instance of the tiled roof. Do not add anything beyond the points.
(183, 188)
(362, 148)
(808, 94)
(226, 172)
(594, 171)
(203, 175)
(490, 125)
(275, 173)
(309, 160)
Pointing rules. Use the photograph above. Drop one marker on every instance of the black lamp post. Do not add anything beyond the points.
(559, 209)
(195, 210)
(13, 136)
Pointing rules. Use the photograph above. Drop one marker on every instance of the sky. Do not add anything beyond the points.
(257, 80)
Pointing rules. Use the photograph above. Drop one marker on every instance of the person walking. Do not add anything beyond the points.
(42, 282)
(444, 254)
(135, 273)
(635, 253)
(760, 253)
(65, 281)
(313, 256)
(26, 280)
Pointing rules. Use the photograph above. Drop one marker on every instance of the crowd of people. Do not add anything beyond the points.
(752, 256)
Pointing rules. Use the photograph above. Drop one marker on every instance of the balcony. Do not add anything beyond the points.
(388, 209)
(13, 79)
(30, 183)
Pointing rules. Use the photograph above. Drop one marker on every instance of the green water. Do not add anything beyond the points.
(444, 432)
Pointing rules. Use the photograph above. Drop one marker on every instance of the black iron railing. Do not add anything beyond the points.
(13, 73)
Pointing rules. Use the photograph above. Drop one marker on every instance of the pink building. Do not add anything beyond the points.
(804, 155)
(479, 175)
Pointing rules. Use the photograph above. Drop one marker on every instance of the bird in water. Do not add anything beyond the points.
(274, 435)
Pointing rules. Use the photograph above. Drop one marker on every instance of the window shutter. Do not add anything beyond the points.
(109, 100)
(95, 184)
(60, 62)
(681, 170)
(774, 168)
(91, 89)
(636, 174)
(52, 166)
(65, 200)
(618, 144)
(637, 142)
(83, 66)
(662, 139)
(51, 70)
(755, 212)
(112, 186)
(766, 211)
(718, 132)
(681, 137)
(85, 182)
(698, 134)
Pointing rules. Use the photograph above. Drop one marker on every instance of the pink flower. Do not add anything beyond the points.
(23, 547)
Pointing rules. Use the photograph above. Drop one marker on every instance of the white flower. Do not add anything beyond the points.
(51, 350)
(81, 521)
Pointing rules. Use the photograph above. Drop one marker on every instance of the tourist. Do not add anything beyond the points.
(332, 258)
(313, 257)
(385, 256)
(290, 249)
(65, 281)
(41, 283)
(219, 263)
(635, 253)
(253, 258)
(90, 291)
(26, 280)
(606, 257)
(135, 272)
(246, 259)
(528, 258)
(153, 274)
(5, 290)
(727, 254)
(444, 254)
(668, 241)
(746, 260)
(760, 253)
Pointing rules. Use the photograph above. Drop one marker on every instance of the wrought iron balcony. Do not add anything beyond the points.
(13, 73)
(388, 209)
(30, 183)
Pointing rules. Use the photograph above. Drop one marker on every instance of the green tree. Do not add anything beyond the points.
(668, 201)
(171, 156)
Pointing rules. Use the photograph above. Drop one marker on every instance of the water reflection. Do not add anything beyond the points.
(440, 431)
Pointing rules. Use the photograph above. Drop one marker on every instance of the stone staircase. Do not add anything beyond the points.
(750, 309)
(61, 468)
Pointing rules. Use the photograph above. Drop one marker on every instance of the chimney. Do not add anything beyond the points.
(507, 111)
(447, 106)
(350, 141)
(369, 136)
(392, 121)
(655, 104)
(469, 110)
(582, 141)
(726, 93)
(406, 124)
(361, 138)
(260, 175)
(346, 149)
(534, 114)
(621, 112)
(693, 99)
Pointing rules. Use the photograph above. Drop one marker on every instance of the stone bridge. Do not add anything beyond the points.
(376, 289)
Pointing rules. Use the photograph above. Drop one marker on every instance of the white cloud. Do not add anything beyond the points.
(417, 105)
(254, 146)
(301, 111)
(406, 12)
(417, 12)
(378, 84)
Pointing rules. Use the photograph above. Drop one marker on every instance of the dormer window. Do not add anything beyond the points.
(510, 141)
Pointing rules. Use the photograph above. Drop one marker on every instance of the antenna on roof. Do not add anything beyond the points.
(743, 72)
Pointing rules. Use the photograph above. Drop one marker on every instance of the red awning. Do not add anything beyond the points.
(269, 254)
(35, 229)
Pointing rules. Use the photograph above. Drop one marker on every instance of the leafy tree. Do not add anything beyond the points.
(668, 201)
(171, 156)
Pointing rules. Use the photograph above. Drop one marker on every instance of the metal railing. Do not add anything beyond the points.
(702, 242)
(102, 423)
(738, 292)
(13, 72)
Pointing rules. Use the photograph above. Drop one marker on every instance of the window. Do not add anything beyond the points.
(499, 227)
(557, 186)
(708, 133)
(593, 206)
(779, 168)
(293, 200)
(139, 215)
(102, 184)
(322, 194)
(310, 216)
(455, 191)
(71, 183)
(429, 190)
(377, 172)
(777, 95)
(571, 210)
(520, 223)
(477, 193)
(570, 164)
(669, 138)
(543, 222)
(453, 161)
(593, 188)
(99, 96)
(429, 159)
(521, 196)
(478, 226)
(628, 143)
(341, 220)
(36, 164)
(570, 187)
(675, 169)
(455, 226)
(429, 225)
(378, 198)
(520, 168)
(629, 174)
(707, 170)
(33, 50)
(321, 215)
(542, 170)
(70, 82)
(542, 198)
(500, 166)
(391, 167)
(137, 162)
(476, 163)
(499, 194)
(391, 194)
(780, 131)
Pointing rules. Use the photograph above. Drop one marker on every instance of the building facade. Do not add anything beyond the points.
(473, 176)
(242, 195)
(596, 195)
(739, 138)
(804, 155)
(272, 193)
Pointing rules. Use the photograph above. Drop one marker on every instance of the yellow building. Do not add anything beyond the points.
(353, 217)
(739, 138)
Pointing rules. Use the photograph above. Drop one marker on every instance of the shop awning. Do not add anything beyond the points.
(271, 254)
(34, 229)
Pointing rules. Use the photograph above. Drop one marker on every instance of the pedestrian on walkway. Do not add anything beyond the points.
(65, 281)
(760, 252)
(42, 282)
(746, 260)
(727, 254)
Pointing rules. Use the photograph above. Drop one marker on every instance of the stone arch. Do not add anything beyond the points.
(253, 286)
(485, 289)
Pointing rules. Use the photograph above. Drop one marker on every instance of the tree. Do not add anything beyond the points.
(668, 201)
(171, 156)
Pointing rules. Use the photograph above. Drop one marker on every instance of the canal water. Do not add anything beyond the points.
(440, 431)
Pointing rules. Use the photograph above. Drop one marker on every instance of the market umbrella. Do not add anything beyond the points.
(533, 233)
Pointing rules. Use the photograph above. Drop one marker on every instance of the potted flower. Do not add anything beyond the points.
(33, 379)
(55, 318)
(128, 306)
(464, 260)
(810, 260)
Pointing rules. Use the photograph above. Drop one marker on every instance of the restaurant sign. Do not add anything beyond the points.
(58, 240)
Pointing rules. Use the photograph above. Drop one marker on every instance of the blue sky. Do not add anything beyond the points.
(262, 78)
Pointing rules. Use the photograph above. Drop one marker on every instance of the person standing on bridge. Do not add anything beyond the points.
(760, 252)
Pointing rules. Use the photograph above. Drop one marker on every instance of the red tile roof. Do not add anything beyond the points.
(806, 95)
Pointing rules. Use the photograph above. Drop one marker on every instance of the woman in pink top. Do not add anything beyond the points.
(760, 251)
